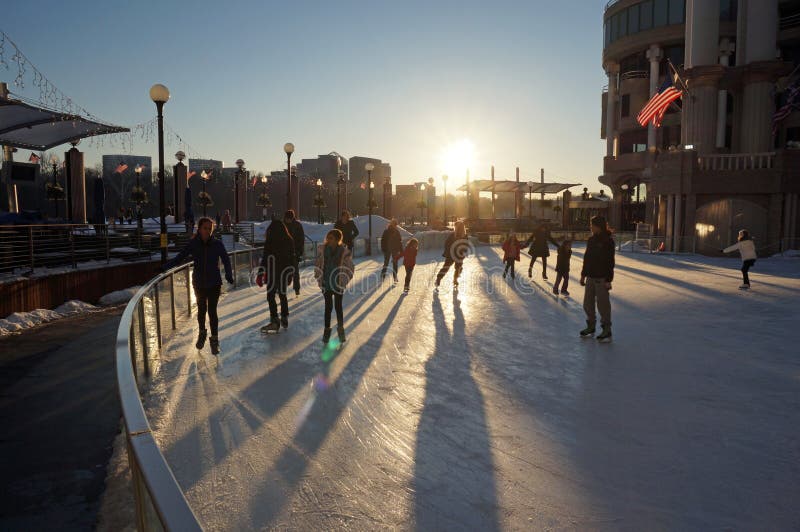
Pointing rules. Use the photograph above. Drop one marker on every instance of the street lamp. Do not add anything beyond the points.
(138, 196)
(204, 177)
(422, 203)
(239, 173)
(430, 198)
(160, 94)
(319, 201)
(263, 199)
(339, 183)
(530, 199)
(54, 191)
(289, 149)
(444, 205)
(369, 167)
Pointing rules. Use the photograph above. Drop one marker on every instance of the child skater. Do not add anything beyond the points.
(562, 267)
(456, 249)
(511, 253)
(596, 275)
(334, 269)
(410, 260)
(747, 249)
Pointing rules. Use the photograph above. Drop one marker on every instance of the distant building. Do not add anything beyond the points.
(357, 196)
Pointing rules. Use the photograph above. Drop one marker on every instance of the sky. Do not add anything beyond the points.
(400, 81)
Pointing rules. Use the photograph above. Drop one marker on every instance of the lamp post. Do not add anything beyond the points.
(239, 173)
(176, 189)
(139, 196)
(160, 94)
(339, 182)
(289, 149)
(530, 199)
(422, 203)
(319, 201)
(54, 164)
(369, 167)
(204, 177)
(444, 203)
(430, 198)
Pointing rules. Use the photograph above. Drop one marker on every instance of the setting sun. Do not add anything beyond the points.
(457, 157)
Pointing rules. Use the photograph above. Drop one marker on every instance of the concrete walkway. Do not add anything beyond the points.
(60, 412)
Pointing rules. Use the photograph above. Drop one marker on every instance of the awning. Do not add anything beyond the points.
(487, 185)
(35, 128)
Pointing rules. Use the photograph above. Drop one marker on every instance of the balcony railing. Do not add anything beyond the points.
(634, 74)
(790, 21)
(737, 161)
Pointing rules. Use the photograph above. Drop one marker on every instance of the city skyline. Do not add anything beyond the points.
(375, 81)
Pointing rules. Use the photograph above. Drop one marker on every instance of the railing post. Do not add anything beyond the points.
(172, 298)
(157, 300)
(108, 247)
(233, 267)
(72, 248)
(30, 246)
(143, 338)
(188, 292)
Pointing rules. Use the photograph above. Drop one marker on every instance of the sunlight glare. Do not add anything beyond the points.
(456, 158)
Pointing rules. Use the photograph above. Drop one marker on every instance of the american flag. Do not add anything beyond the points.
(792, 104)
(654, 109)
(34, 158)
(121, 168)
(363, 186)
(190, 174)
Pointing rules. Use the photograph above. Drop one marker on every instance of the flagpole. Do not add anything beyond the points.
(678, 76)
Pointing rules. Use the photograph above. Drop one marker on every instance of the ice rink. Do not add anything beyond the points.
(483, 409)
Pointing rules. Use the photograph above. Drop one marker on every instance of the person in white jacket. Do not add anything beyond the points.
(747, 249)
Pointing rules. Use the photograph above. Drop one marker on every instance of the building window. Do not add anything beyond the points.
(646, 15)
(607, 33)
(625, 105)
(623, 23)
(615, 27)
(633, 19)
(660, 8)
(676, 11)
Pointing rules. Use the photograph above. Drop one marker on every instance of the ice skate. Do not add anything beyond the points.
(272, 328)
(201, 339)
(744, 286)
(326, 335)
(342, 338)
(605, 335)
(214, 342)
(589, 330)
(285, 322)
(564, 292)
(555, 290)
(544, 275)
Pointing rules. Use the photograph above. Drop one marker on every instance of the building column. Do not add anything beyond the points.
(773, 239)
(669, 235)
(726, 48)
(654, 54)
(611, 109)
(689, 220)
(75, 181)
(677, 230)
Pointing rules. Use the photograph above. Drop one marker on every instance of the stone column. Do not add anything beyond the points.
(689, 220)
(726, 48)
(654, 54)
(669, 234)
(611, 109)
(699, 113)
(701, 33)
(75, 181)
(677, 230)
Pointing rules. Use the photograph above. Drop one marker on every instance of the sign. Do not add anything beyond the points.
(163, 240)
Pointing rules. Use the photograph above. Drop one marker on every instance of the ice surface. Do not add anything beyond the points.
(483, 409)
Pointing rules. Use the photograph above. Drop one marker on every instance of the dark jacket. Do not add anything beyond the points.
(206, 257)
(391, 242)
(349, 231)
(279, 253)
(598, 262)
(455, 249)
(299, 236)
(538, 241)
(562, 262)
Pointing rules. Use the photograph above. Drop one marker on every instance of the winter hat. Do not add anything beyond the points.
(599, 221)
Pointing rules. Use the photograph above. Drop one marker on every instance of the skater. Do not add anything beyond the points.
(392, 247)
(333, 270)
(538, 242)
(409, 261)
(226, 221)
(596, 275)
(278, 263)
(511, 253)
(206, 253)
(299, 237)
(562, 267)
(348, 229)
(456, 248)
(747, 250)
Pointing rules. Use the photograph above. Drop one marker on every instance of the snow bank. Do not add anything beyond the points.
(74, 306)
(119, 296)
(432, 239)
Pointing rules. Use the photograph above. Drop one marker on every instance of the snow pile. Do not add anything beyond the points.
(74, 306)
(19, 321)
(119, 296)
(432, 239)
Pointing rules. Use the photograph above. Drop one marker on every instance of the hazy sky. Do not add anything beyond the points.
(399, 81)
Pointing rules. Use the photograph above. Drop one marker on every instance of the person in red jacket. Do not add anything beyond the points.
(511, 253)
(410, 260)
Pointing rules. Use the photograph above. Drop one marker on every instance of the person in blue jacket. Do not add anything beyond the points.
(206, 252)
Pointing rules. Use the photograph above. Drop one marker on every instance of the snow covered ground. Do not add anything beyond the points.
(483, 409)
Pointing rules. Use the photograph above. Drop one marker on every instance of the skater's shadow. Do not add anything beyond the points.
(454, 485)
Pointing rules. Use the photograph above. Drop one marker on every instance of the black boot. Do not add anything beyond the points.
(214, 341)
(605, 336)
(326, 335)
(589, 330)
(342, 338)
(285, 322)
(201, 339)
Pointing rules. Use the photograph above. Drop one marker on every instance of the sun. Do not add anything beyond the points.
(456, 158)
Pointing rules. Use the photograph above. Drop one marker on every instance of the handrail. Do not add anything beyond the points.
(155, 486)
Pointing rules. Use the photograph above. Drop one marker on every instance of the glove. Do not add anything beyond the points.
(260, 280)
(229, 278)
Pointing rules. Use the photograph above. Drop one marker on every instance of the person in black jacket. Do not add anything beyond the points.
(538, 242)
(392, 247)
(348, 229)
(278, 263)
(596, 275)
(206, 252)
(299, 236)
(456, 248)
(562, 267)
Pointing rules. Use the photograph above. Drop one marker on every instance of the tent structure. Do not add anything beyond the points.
(487, 185)
(31, 127)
